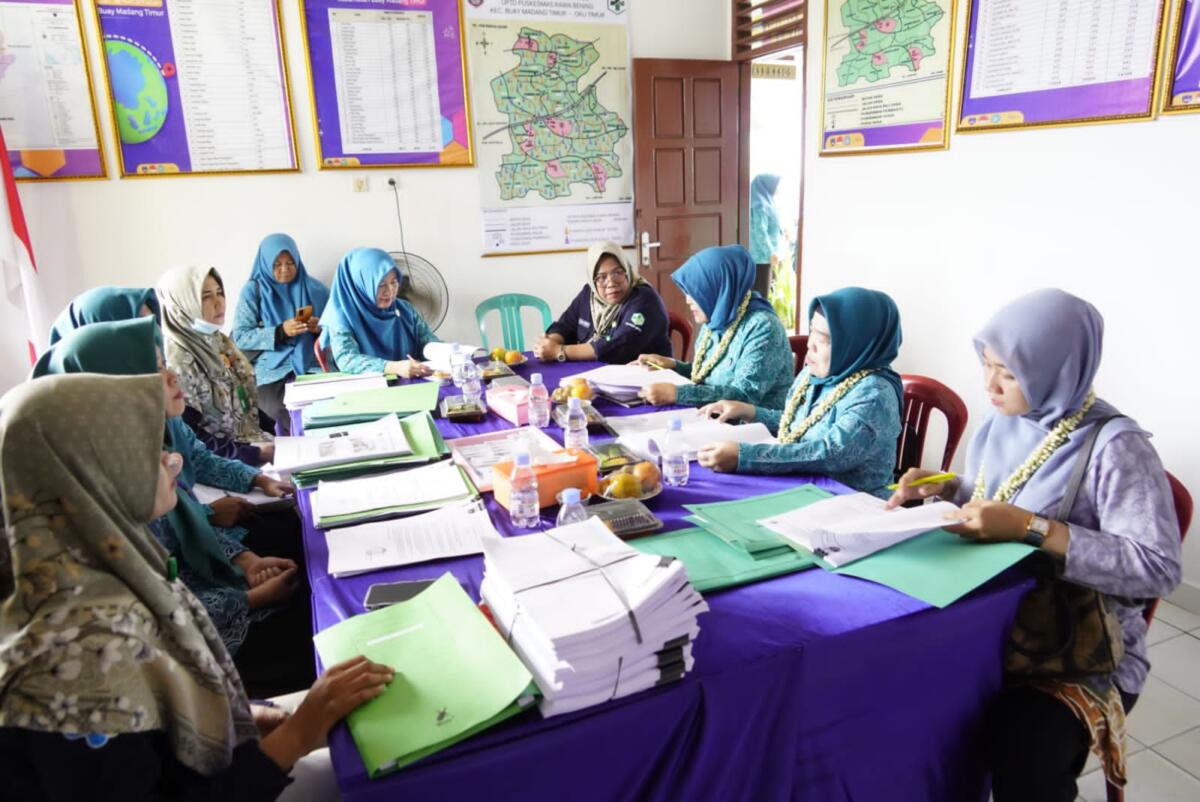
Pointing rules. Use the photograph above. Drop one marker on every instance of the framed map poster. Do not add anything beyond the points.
(1182, 93)
(885, 75)
(388, 82)
(47, 106)
(552, 100)
(1060, 62)
(197, 86)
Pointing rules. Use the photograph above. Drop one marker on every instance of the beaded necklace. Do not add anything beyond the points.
(786, 435)
(702, 369)
(1051, 443)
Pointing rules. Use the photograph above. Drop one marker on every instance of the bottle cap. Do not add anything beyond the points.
(574, 403)
(675, 424)
(535, 378)
(522, 460)
(570, 495)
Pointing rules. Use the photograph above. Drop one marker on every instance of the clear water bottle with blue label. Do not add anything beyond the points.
(539, 402)
(575, 434)
(675, 467)
(472, 387)
(524, 511)
(572, 510)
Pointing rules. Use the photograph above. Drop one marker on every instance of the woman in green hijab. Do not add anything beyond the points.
(104, 304)
(110, 670)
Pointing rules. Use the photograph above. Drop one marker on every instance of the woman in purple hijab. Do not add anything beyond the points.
(1040, 355)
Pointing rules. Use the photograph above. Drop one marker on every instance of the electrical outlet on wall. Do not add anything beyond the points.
(362, 183)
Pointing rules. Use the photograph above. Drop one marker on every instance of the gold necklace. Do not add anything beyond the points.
(797, 397)
(1050, 443)
(701, 370)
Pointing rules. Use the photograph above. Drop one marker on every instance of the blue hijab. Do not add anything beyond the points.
(717, 279)
(864, 332)
(101, 305)
(762, 191)
(385, 333)
(1051, 341)
(279, 302)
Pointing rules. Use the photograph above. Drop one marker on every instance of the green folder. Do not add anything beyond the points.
(712, 564)
(390, 511)
(367, 405)
(455, 675)
(312, 377)
(423, 438)
(736, 522)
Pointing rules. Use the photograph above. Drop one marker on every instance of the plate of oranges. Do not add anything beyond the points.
(641, 481)
(509, 358)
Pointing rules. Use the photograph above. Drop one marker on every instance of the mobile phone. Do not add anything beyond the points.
(303, 314)
(382, 594)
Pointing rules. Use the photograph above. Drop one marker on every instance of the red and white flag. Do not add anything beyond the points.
(16, 261)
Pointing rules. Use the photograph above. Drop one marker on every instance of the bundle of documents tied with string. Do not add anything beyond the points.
(592, 618)
(343, 452)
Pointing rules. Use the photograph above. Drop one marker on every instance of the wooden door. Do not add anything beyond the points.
(689, 172)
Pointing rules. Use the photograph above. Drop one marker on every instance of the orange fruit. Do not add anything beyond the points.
(582, 391)
(625, 485)
(512, 357)
(647, 473)
(497, 354)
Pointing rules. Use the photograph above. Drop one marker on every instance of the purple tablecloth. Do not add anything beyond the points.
(809, 686)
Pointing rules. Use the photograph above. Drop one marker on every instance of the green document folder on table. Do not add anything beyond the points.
(712, 564)
(736, 522)
(455, 675)
(423, 438)
(362, 406)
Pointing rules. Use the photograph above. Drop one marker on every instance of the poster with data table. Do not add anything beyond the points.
(387, 82)
(1060, 62)
(46, 108)
(197, 86)
(1183, 77)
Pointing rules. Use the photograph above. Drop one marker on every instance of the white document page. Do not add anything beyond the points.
(207, 495)
(627, 376)
(437, 355)
(362, 441)
(452, 531)
(644, 434)
(412, 487)
(843, 529)
(301, 394)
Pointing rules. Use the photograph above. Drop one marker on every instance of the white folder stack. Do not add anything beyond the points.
(623, 382)
(592, 618)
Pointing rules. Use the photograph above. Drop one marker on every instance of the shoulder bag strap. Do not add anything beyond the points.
(1081, 463)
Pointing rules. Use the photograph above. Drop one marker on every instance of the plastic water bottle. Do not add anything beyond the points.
(471, 387)
(575, 435)
(458, 360)
(675, 467)
(539, 402)
(572, 510)
(523, 507)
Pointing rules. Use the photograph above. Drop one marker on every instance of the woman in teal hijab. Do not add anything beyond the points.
(742, 351)
(103, 304)
(766, 235)
(842, 416)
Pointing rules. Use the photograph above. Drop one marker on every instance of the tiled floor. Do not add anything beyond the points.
(1164, 727)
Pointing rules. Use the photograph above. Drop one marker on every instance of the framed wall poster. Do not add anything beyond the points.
(197, 86)
(885, 75)
(47, 103)
(1033, 63)
(1182, 83)
(388, 82)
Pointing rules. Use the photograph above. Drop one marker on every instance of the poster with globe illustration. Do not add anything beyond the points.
(197, 86)
(47, 111)
(886, 75)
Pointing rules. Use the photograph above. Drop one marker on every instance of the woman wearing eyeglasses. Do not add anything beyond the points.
(616, 317)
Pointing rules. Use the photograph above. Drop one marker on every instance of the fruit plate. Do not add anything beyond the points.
(644, 497)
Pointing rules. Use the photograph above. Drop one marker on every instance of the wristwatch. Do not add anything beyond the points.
(1036, 531)
(562, 354)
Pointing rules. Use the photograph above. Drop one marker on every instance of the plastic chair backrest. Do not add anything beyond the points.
(509, 306)
(678, 323)
(922, 395)
(799, 344)
(319, 352)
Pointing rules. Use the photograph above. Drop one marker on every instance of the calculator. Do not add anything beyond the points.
(626, 518)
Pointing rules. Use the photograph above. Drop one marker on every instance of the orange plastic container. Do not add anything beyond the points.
(552, 479)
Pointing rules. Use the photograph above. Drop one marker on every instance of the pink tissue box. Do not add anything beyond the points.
(510, 402)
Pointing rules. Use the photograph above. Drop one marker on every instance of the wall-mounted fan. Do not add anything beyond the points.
(421, 284)
(423, 287)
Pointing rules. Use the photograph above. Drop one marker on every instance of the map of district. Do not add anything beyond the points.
(887, 35)
(561, 133)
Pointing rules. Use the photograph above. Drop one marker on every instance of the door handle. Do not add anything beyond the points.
(646, 246)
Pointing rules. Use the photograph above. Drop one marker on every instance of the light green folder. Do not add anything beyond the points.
(461, 493)
(712, 564)
(423, 438)
(368, 405)
(455, 676)
(736, 522)
(312, 377)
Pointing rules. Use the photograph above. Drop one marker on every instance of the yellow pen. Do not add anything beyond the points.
(928, 480)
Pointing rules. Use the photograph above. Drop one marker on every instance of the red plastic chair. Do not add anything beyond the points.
(799, 344)
(678, 323)
(320, 354)
(922, 395)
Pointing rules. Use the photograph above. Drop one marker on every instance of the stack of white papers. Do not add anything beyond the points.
(622, 382)
(644, 433)
(300, 394)
(452, 531)
(207, 495)
(339, 445)
(592, 618)
(387, 495)
(843, 529)
(437, 355)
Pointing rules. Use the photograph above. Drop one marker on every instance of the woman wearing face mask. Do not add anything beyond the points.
(104, 304)
(1040, 356)
(368, 325)
(218, 381)
(113, 681)
(842, 415)
(742, 352)
(277, 321)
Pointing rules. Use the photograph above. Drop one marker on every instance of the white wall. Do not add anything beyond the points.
(128, 231)
(1107, 212)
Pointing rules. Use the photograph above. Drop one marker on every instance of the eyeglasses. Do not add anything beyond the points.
(615, 277)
